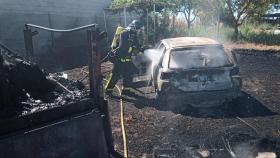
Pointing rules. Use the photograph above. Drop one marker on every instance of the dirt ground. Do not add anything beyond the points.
(248, 125)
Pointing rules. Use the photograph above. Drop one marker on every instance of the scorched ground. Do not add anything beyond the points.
(248, 125)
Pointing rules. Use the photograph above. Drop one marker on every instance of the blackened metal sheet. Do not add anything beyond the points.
(10, 125)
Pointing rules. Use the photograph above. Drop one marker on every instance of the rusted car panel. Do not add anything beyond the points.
(198, 70)
(199, 99)
(188, 41)
(202, 81)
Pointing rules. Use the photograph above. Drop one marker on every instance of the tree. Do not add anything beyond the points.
(240, 10)
(158, 22)
(189, 8)
(140, 7)
(210, 11)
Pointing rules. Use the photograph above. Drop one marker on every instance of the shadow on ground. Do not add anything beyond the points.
(244, 106)
(140, 84)
(137, 100)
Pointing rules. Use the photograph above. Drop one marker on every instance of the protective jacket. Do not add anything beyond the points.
(127, 46)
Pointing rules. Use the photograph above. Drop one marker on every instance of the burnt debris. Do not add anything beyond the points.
(25, 88)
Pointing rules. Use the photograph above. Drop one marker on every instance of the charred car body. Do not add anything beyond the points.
(195, 70)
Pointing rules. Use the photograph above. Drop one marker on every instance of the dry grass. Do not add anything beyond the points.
(252, 46)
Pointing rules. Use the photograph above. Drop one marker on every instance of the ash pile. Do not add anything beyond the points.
(25, 88)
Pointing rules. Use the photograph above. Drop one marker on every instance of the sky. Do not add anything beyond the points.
(274, 9)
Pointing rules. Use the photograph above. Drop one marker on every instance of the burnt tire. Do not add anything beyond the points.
(157, 97)
(160, 99)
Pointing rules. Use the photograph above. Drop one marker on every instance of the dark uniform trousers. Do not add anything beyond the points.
(123, 68)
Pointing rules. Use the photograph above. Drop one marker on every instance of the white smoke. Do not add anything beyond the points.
(152, 57)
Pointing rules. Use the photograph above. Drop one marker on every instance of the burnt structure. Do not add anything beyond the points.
(75, 126)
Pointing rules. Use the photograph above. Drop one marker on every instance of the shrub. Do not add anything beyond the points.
(262, 34)
(254, 33)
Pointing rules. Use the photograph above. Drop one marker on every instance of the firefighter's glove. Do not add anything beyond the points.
(142, 49)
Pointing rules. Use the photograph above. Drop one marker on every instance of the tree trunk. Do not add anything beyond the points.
(189, 20)
(236, 32)
(173, 21)
(218, 25)
(189, 24)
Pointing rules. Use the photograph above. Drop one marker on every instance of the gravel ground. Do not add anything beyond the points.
(249, 124)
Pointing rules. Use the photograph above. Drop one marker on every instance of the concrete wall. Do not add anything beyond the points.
(51, 13)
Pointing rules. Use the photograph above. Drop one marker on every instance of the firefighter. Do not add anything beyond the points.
(127, 46)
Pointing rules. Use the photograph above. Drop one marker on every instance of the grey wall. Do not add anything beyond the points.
(60, 14)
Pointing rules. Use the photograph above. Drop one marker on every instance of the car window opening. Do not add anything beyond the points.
(198, 57)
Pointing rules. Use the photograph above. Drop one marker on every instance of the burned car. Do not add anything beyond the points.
(194, 70)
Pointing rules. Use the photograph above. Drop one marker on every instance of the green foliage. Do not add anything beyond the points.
(259, 33)
(122, 3)
(139, 4)
(161, 29)
(241, 10)
(232, 13)
(224, 34)
(262, 38)
(189, 8)
(265, 26)
(253, 33)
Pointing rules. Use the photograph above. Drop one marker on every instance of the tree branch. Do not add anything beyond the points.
(195, 15)
(243, 10)
(230, 8)
(186, 16)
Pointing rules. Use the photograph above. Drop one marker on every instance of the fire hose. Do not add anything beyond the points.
(122, 123)
(125, 151)
(109, 55)
(122, 118)
(112, 54)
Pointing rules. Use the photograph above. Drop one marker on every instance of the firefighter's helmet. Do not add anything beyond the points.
(136, 24)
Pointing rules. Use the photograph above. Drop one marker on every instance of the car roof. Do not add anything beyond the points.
(181, 42)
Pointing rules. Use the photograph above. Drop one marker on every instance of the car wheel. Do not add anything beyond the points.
(157, 94)
(155, 85)
(160, 100)
(150, 83)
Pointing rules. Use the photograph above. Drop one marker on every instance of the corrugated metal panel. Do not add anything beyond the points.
(58, 14)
